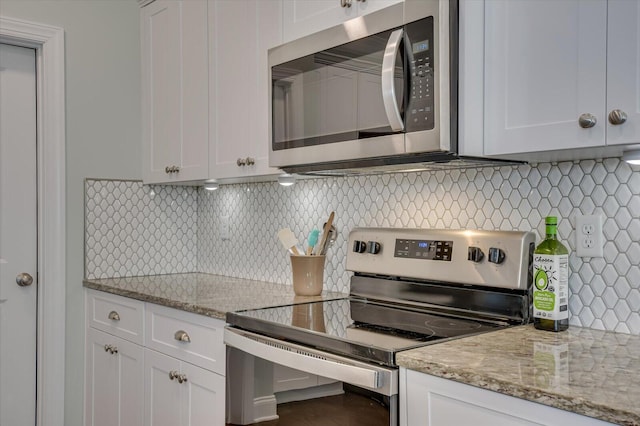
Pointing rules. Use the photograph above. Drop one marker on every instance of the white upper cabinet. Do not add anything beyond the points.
(553, 72)
(241, 32)
(304, 17)
(175, 103)
(623, 71)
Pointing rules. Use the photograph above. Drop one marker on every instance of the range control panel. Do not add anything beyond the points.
(489, 258)
(424, 249)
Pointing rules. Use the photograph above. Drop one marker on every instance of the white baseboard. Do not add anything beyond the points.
(264, 409)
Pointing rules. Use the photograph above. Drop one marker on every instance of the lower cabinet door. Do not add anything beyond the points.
(202, 397)
(161, 389)
(114, 381)
(180, 394)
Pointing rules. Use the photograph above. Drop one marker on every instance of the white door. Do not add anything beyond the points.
(18, 235)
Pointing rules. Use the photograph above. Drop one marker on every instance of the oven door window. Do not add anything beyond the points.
(335, 95)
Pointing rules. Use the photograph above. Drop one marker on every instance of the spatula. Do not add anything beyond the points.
(289, 240)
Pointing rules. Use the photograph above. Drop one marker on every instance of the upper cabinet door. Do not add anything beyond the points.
(241, 32)
(623, 72)
(304, 17)
(174, 91)
(545, 67)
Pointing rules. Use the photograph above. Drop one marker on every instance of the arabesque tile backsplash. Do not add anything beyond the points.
(232, 231)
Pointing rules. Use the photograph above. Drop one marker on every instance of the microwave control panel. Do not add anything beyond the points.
(419, 113)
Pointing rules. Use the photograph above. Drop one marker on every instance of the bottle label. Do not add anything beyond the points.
(550, 286)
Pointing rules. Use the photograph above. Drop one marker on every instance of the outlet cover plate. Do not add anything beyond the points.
(589, 240)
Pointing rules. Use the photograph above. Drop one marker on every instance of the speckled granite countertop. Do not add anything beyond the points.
(205, 294)
(601, 378)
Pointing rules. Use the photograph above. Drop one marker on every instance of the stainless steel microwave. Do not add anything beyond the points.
(377, 91)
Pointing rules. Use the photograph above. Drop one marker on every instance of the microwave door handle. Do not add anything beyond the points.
(388, 85)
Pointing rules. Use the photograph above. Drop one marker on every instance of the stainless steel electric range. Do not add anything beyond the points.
(410, 288)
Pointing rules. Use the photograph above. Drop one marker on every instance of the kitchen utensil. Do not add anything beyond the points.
(312, 240)
(289, 240)
(333, 235)
(325, 234)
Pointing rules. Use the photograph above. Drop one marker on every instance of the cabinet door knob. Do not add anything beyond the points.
(250, 161)
(111, 349)
(617, 116)
(241, 162)
(173, 374)
(182, 378)
(345, 3)
(171, 169)
(182, 336)
(587, 121)
(114, 316)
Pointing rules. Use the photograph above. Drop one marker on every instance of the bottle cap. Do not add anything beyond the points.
(551, 220)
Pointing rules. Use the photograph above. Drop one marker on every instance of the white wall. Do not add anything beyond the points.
(103, 130)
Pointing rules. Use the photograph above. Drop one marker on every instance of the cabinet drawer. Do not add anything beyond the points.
(120, 316)
(190, 337)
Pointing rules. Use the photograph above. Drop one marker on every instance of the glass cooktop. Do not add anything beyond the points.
(370, 331)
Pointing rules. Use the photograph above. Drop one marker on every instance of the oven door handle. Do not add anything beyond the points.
(388, 81)
(314, 362)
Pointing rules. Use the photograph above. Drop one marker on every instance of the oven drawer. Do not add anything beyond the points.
(194, 338)
(117, 315)
(379, 379)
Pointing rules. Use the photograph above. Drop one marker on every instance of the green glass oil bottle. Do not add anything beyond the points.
(551, 281)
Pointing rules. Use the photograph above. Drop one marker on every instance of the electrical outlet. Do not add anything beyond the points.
(589, 236)
(224, 228)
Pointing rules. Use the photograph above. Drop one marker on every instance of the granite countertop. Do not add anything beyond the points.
(205, 294)
(600, 378)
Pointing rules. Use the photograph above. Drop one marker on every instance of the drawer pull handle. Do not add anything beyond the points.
(114, 316)
(182, 336)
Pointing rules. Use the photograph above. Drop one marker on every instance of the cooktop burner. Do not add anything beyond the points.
(371, 331)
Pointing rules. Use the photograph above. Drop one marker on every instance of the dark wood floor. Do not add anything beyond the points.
(349, 409)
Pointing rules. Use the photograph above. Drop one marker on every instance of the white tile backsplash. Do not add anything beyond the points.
(128, 233)
(131, 229)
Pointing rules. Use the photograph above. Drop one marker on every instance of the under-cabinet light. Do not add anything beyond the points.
(632, 157)
(211, 185)
(286, 179)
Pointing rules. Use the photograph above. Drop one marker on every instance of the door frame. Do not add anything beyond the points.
(48, 42)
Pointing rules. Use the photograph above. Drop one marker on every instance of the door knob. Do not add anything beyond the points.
(24, 279)
(617, 116)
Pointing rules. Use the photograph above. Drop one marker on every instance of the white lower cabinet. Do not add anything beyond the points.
(114, 385)
(181, 394)
(432, 401)
(151, 365)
